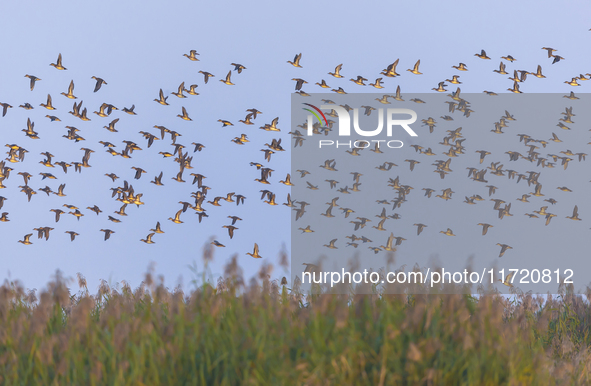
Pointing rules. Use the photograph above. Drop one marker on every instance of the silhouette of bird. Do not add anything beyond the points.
(99, 83)
(238, 67)
(5, 107)
(299, 83)
(420, 228)
(58, 65)
(129, 110)
(206, 76)
(177, 217)
(148, 239)
(255, 253)
(32, 79)
(26, 240)
(192, 55)
(72, 235)
(508, 279)
(296, 60)
(575, 215)
(108, 233)
(184, 115)
(331, 244)
(390, 71)
(448, 232)
(460, 67)
(70, 93)
(161, 98)
(337, 71)
(415, 69)
(482, 55)
(504, 248)
(227, 80)
(485, 227)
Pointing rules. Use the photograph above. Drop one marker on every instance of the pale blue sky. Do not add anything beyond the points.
(137, 48)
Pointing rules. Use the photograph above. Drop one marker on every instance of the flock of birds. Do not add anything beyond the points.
(538, 151)
(125, 193)
(200, 203)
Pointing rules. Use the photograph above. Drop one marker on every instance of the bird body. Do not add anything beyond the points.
(70, 93)
(227, 80)
(26, 240)
(58, 65)
(192, 55)
(99, 83)
(184, 115)
(108, 233)
(296, 61)
(255, 253)
(148, 239)
(504, 248)
(448, 232)
(415, 69)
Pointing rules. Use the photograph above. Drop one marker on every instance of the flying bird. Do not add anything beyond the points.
(99, 83)
(296, 60)
(227, 80)
(192, 55)
(255, 253)
(415, 69)
(504, 248)
(108, 233)
(32, 79)
(58, 65)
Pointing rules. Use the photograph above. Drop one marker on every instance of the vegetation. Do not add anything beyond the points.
(263, 333)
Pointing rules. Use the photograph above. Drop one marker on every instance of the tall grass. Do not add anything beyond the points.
(262, 333)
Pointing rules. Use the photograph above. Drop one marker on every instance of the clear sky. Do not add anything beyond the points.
(137, 48)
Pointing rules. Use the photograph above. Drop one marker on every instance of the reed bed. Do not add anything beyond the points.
(264, 333)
